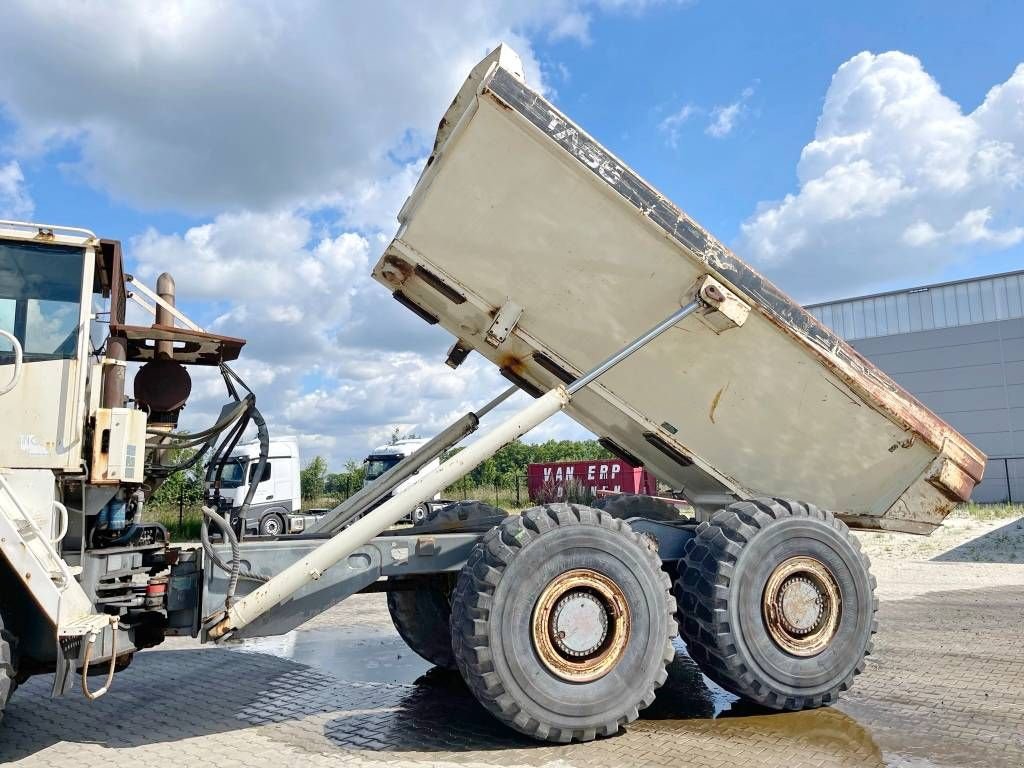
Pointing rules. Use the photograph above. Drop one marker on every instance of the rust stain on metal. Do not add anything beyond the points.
(902, 444)
(715, 401)
(395, 270)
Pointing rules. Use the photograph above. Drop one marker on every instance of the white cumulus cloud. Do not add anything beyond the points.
(725, 117)
(295, 134)
(898, 182)
(332, 358)
(202, 107)
(15, 201)
(672, 125)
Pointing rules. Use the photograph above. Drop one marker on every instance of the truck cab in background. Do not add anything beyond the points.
(276, 507)
(384, 457)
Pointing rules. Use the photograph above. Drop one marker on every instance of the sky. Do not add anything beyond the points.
(261, 150)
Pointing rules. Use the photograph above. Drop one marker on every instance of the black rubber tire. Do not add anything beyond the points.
(270, 520)
(462, 516)
(623, 506)
(422, 615)
(492, 611)
(8, 666)
(419, 514)
(719, 592)
(464, 511)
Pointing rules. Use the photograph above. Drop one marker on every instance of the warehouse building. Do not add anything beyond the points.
(959, 348)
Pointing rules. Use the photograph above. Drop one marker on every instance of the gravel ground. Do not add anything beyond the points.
(945, 687)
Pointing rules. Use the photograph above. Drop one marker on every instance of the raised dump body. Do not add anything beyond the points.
(538, 248)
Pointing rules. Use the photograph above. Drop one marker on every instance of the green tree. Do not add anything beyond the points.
(182, 486)
(313, 477)
(346, 482)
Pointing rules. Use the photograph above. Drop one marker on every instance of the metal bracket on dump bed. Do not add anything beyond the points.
(723, 309)
(504, 321)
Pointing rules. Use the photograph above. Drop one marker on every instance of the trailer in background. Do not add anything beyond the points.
(582, 480)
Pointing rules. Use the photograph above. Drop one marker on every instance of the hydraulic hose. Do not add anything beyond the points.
(87, 660)
(215, 429)
(234, 570)
(264, 437)
(245, 412)
(237, 413)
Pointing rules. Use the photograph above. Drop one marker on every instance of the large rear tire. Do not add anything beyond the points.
(776, 603)
(623, 506)
(421, 615)
(465, 515)
(562, 622)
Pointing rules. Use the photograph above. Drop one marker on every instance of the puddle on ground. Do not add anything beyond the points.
(360, 655)
(426, 709)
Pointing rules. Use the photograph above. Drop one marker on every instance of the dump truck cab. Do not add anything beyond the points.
(51, 297)
(85, 578)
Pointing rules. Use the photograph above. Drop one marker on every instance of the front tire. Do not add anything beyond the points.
(272, 525)
(8, 666)
(562, 622)
(776, 603)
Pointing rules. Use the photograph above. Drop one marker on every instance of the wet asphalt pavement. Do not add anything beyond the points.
(945, 687)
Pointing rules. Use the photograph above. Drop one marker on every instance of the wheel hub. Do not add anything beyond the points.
(580, 625)
(801, 606)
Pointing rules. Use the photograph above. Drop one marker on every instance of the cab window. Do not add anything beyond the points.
(40, 296)
(252, 471)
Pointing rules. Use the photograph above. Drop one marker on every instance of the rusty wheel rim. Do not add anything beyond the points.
(581, 625)
(802, 606)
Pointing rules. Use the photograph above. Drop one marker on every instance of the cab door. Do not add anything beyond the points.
(265, 490)
(45, 292)
(285, 491)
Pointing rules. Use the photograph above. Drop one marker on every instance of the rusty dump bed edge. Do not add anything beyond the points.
(870, 382)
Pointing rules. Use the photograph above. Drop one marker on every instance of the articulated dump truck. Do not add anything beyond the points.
(540, 250)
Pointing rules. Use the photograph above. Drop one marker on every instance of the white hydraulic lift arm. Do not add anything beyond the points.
(312, 566)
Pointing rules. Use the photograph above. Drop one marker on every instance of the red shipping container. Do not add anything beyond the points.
(550, 481)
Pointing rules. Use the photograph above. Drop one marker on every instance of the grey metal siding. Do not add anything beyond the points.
(973, 376)
(931, 307)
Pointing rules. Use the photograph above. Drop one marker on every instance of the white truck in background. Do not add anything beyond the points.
(276, 507)
(384, 457)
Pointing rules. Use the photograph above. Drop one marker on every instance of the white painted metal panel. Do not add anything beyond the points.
(519, 205)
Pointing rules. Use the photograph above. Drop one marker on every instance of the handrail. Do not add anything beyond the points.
(58, 561)
(51, 228)
(62, 526)
(18, 359)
